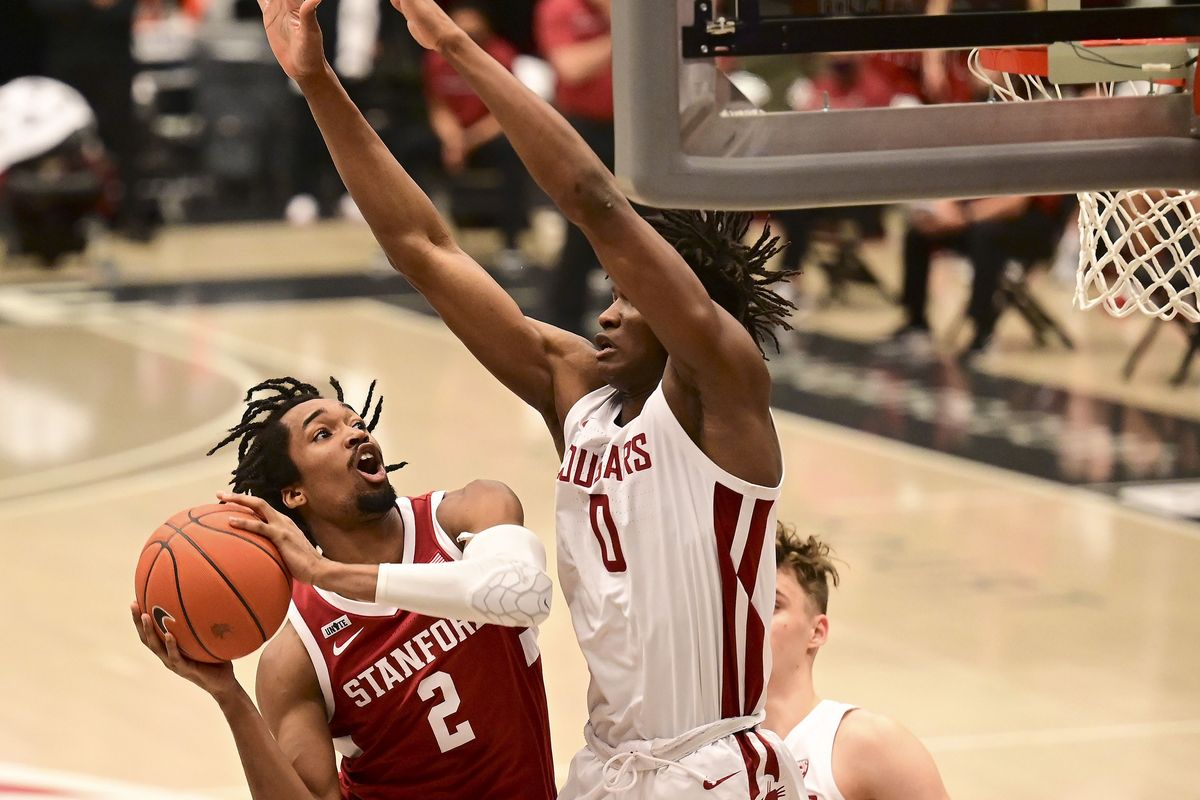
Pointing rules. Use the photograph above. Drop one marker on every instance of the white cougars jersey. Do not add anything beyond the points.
(668, 566)
(811, 742)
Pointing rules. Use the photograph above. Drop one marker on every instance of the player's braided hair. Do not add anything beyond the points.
(734, 274)
(810, 560)
(264, 468)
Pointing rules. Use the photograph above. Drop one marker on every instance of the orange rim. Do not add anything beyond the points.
(1033, 59)
(1017, 60)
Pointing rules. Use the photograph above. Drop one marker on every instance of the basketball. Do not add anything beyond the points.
(227, 590)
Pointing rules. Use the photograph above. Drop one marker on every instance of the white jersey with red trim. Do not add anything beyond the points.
(667, 564)
(811, 742)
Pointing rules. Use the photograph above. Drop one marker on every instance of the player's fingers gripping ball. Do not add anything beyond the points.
(299, 555)
(221, 592)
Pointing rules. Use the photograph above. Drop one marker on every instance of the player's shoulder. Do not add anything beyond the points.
(572, 347)
(865, 732)
(481, 490)
(874, 754)
(480, 504)
(572, 359)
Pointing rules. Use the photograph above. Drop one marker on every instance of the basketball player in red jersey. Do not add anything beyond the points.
(671, 466)
(845, 752)
(422, 673)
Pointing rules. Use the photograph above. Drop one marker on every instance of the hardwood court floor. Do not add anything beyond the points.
(1041, 639)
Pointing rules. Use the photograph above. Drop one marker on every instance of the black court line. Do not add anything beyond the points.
(256, 290)
(934, 403)
(943, 405)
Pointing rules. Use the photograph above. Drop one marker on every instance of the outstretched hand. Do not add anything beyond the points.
(301, 558)
(427, 22)
(294, 36)
(216, 679)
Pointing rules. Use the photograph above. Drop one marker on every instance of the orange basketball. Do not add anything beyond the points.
(227, 590)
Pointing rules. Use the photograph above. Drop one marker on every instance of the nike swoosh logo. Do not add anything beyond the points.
(161, 616)
(715, 784)
(338, 649)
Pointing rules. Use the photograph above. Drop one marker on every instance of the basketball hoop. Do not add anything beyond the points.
(1139, 248)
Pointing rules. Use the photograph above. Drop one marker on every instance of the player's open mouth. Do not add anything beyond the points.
(604, 346)
(369, 463)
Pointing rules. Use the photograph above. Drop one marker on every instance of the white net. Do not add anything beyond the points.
(1139, 249)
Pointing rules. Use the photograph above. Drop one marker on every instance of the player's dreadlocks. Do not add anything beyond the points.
(264, 468)
(810, 560)
(735, 274)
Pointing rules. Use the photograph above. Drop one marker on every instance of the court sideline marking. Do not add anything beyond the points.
(57, 488)
(116, 326)
(49, 783)
(402, 318)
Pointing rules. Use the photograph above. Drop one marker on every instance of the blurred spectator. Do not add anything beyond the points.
(990, 232)
(574, 36)
(848, 81)
(851, 81)
(470, 137)
(350, 31)
(938, 76)
(54, 174)
(398, 106)
(89, 47)
(878, 80)
(931, 76)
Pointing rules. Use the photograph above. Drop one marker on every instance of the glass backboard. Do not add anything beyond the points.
(760, 104)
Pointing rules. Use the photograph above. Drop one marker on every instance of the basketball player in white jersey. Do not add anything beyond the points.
(845, 752)
(670, 466)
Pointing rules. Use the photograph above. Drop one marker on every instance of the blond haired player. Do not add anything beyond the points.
(845, 752)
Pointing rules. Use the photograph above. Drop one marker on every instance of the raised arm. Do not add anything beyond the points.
(501, 578)
(290, 759)
(708, 347)
(546, 368)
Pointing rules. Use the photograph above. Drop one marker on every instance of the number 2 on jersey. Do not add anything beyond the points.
(606, 533)
(447, 739)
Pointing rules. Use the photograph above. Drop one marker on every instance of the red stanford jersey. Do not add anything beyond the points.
(421, 707)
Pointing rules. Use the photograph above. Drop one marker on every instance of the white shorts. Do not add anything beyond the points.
(751, 765)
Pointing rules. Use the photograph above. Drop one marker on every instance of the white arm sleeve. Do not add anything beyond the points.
(501, 580)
